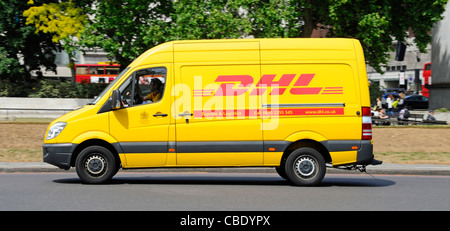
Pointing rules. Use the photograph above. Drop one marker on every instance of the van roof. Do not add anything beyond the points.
(272, 49)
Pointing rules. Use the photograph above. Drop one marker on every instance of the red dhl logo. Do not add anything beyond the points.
(259, 113)
(244, 83)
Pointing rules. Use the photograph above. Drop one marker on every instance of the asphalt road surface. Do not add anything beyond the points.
(222, 192)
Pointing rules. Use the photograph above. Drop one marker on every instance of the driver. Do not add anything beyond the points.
(155, 95)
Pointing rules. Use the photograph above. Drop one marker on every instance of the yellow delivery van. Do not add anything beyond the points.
(299, 105)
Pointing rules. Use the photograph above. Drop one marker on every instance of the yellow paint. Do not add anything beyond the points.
(345, 157)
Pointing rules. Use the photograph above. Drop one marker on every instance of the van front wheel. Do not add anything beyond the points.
(95, 165)
(305, 166)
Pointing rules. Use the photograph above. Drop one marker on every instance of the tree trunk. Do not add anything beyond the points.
(309, 26)
(72, 71)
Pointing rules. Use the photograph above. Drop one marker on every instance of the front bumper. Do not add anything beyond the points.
(59, 155)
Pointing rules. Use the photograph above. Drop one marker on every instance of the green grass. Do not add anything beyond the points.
(414, 157)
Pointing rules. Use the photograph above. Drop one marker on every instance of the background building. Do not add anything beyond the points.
(405, 74)
(440, 87)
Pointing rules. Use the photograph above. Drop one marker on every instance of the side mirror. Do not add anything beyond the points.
(116, 102)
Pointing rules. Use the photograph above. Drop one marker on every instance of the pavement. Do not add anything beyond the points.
(396, 169)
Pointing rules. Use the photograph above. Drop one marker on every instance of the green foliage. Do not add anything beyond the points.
(274, 18)
(87, 91)
(374, 92)
(56, 89)
(63, 20)
(50, 89)
(21, 50)
(442, 109)
(125, 29)
(378, 23)
(6, 61)
(218, 20)
(15, 89)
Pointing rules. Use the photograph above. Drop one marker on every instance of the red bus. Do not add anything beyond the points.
(96, 73)
(427, 79)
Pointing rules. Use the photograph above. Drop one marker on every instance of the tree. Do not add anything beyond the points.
(21, 50)
(200, 19)
(377, 23)
(273, 18)
(64, 21)
(125, 29)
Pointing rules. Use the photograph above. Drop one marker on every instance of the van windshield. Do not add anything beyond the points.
(108, 87)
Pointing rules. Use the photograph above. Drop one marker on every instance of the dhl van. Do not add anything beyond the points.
(299, 105)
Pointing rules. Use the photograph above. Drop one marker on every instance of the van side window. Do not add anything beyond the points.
(144, 86)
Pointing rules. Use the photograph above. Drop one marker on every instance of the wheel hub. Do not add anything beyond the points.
(95, 164)
(305, 166)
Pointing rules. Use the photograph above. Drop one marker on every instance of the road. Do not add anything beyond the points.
(222, 192)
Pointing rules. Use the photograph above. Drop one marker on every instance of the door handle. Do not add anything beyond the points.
(186, 114)
(162, 115)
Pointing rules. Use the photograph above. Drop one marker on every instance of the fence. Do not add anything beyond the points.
(16, 107)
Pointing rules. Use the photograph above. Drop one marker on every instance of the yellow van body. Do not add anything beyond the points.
(227, 103)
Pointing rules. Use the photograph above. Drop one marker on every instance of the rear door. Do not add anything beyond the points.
(310, 93)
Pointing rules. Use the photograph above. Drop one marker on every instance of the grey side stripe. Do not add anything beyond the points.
(220, 146)
(225, 146)
(144, 147)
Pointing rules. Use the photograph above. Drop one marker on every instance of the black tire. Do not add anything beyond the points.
(305, 167)
(96, 165)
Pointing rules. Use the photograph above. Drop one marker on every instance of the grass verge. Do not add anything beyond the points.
(414, 157)
(20, 154)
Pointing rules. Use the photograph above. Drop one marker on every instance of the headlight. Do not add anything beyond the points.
(55, 130)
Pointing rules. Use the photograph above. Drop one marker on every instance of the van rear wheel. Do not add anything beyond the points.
(95, 165)
(305, 167)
